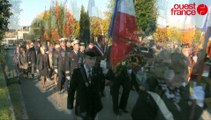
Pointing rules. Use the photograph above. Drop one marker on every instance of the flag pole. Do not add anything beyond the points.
(201, 62)
(201, 68)
(205, 31)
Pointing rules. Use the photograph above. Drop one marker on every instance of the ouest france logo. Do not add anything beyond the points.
(189, 9)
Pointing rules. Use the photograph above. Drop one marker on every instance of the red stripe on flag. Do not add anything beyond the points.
(119, 50)
(124, 32)
(125, 26)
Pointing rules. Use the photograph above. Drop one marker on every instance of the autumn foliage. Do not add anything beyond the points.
(170, 34)
(69, 25)
(57, 22)
(96, 25)
(161, 35)
(55, 34)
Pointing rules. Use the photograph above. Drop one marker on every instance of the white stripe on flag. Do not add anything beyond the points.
(127, 6)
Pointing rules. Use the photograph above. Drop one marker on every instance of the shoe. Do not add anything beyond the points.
(117, 112)
(124, 110)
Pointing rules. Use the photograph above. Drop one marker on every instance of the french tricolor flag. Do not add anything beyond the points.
(204, 28)
(123, 30)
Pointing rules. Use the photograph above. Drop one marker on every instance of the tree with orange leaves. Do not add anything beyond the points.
(46, 37)
(59, 14)
(187, 37)
(161, 35)
(55, 23)
(68, 25)
(55, 34)
(96, 26)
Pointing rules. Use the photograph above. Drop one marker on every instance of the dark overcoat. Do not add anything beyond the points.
(88, 100)
(71, 62)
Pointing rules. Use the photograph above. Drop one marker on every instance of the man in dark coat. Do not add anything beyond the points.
(100, 45)
(61, 66)
(72, 60)
(100, 48)
(122, 78)
(56, 62)
(32, 58)
(85, 80)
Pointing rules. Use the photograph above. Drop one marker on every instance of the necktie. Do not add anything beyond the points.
(89, 74)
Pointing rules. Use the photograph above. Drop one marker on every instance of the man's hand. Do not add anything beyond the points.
(68, 77)
(56, 70)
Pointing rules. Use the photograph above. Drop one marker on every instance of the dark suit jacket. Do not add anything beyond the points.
(88, 99)
(61, 60)
(55, 59)
(32, 55)
(72, 61)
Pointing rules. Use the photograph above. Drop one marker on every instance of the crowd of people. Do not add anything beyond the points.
(81, 71)
(68, 63)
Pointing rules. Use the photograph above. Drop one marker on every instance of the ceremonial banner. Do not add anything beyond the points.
(123, 30)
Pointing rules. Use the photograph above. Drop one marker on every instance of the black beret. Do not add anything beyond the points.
(91, 53)
(98, 51)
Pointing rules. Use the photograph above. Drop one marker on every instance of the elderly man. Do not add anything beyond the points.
(85, 81)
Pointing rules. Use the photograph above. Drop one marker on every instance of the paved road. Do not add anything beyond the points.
(49, 105)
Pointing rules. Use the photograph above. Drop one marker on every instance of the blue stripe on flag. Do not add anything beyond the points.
(204, 28)
(110, 31)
